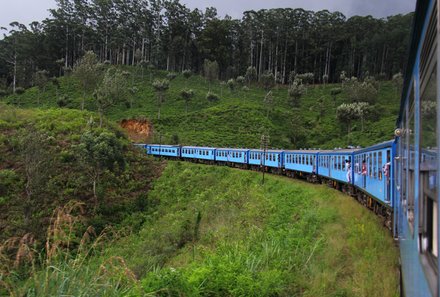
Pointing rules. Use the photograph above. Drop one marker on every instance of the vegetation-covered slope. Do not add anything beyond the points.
(216, 231)
(239, 118)
(49, 158)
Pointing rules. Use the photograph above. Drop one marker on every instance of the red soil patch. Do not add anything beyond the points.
(138, 130)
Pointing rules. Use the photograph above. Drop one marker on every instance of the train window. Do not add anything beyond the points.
(375, 165)
(429, 143)
(379, 165)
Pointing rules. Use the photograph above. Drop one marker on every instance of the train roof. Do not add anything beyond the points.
(163, 145)
(232, 149)
(303, 151)
(199, 147)
(268, 150)
(378, 146)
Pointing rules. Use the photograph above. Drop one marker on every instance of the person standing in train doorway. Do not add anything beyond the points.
(387, 173)
(364, 173)
(348, 168)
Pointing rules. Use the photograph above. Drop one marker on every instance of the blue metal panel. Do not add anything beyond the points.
(163, 150)
(373, 172)
(300, 161)
(194, 152)
(333, 165)
(270, 159)
(232, 155)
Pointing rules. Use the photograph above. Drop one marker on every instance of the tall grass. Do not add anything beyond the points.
(64, 268)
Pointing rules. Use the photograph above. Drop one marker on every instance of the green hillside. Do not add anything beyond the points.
(239, 118)
(216, 231)
(50, 158)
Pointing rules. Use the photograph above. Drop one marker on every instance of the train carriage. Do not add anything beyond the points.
(230, 155)
(416, 163)
(198, 153)
(302, 163)
(163, 150)
(373, 171)
(269, 159)
(336, 165)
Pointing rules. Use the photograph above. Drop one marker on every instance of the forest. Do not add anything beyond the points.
(169, 36)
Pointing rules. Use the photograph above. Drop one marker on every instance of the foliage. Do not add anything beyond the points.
(268, 102)
(218, 232)
(231, 84)
(251, 74)
(161, 87)
(268, 81)
(187, 95)
(212, 97)
(296, 91)
(99, 151)
(88, 71)
(112, 89)
(210, 70)
(360, 91)
(240, 81)
(334, 93)
(171, 76)
(187, 73)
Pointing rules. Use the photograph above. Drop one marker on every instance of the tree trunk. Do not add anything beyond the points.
(260, 71)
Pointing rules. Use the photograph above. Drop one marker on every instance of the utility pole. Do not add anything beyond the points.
(263, 146)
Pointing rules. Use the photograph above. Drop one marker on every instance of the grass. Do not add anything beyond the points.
(286, 238)
(239, 118)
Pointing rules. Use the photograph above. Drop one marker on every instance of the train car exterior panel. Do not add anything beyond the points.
(163, 150)
(270, 158)
(232, 155)
(201, 153)
(301, 161)
(373, 171)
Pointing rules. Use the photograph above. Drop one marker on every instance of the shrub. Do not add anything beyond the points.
(212, 97)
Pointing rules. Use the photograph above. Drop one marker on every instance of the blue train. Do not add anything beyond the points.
(363, 173)
(397, 179)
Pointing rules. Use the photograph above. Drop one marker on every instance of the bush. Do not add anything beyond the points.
(231, 84)
(212, 97)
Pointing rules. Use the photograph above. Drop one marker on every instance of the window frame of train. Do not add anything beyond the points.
(428, 172)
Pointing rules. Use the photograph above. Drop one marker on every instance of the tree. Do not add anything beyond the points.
(360, 91)
(88, 71)
(187, 95)
(37, 163)
(363, 110)
(143, 64)
(112, 89)
(212, 97)
(211, 71)
(160, 87)
(231, 85)
(295, 91)
(334, 93)
(251, 74)
(268, 81)
(347, 113)
(320, 103)
(398, 82)
(40, 80)
(268, 102)
(97, 152)
(187, 74)
(133, 91)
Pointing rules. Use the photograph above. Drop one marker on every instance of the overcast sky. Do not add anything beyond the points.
(26, 11)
